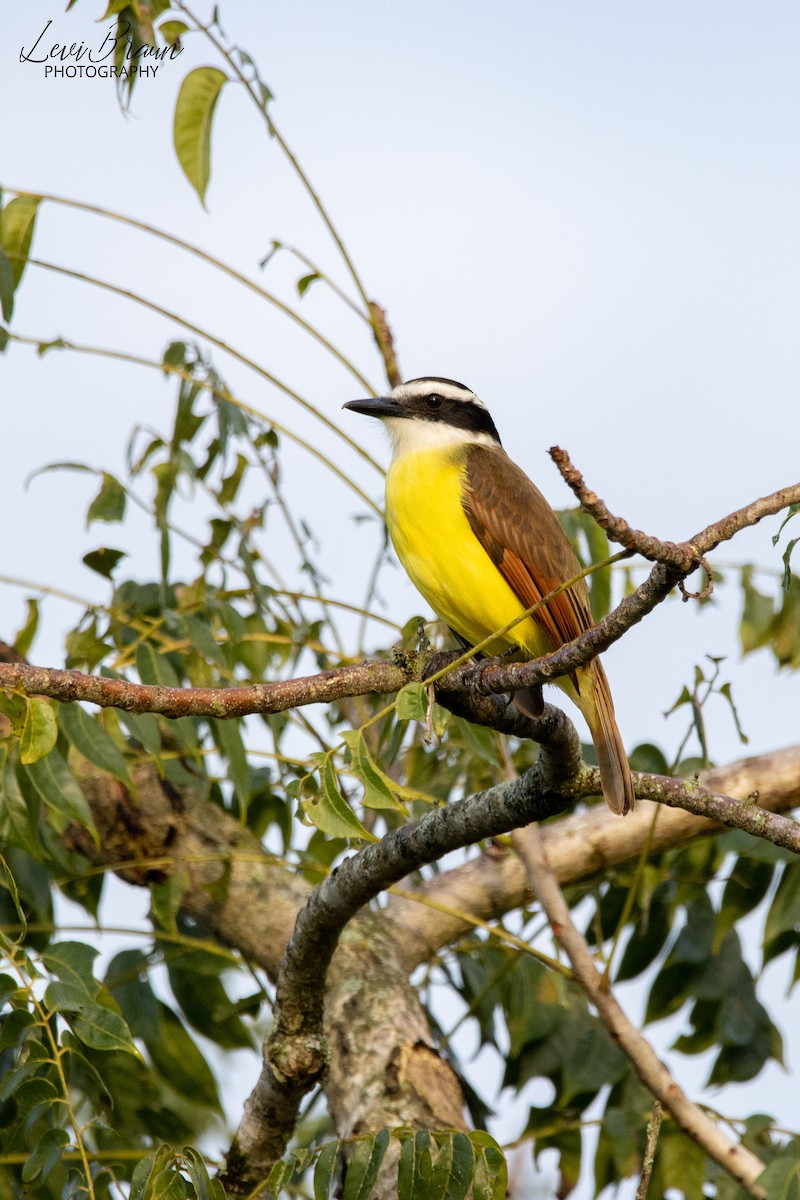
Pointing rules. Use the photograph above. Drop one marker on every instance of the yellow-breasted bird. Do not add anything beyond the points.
(481, 544)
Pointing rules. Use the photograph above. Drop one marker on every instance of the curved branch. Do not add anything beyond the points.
(296, 1051)
(578, 846)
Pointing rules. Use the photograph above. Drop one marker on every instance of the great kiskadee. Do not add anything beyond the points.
(481, 544)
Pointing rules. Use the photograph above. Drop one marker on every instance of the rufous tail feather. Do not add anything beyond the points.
(615, 774)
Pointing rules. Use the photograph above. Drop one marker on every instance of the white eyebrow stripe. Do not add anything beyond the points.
(424, 386)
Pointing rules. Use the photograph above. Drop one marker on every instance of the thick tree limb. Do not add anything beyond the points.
(235, 892)
(743, 1166)
(296, 1051)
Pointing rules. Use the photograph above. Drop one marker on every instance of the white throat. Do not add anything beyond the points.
(409, 435)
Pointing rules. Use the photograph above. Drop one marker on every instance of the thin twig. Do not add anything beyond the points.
(653, 1130)
(738, 1161)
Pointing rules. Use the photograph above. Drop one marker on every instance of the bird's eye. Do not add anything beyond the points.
(434, 401)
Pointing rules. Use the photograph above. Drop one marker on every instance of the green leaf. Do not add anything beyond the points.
(594, 1060)
(140, 1177)
(323, 1171)
(194, 979)
(18, 825)
(7, 286)
(94, 1024)
(747, 885)
(412, 702)
(143, 727)
(279, 1176)
(781, 1179)
(103, 560)
(17, 222)
(8, 881)
(55, 784)
(378, 787)
(109, 503)
(40, 731)
(179, 1060)
(362, 1170)
(24, 639)
(91, 740)
(490, 1178)
(228, 738)
(329, 810)
(73, 962)
(784, 912)
(757, 615)
(171, 31)
(787, 563)
(410, 1168)
(452, 1171)
(194, 114)
(205, 1187)
(167, 1185)
(305, 283)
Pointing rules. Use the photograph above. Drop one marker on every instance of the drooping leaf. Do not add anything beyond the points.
(109, 503)
(7, 286)
(205, 1187)
(490, 1177)
(329, 810)
(363, 1167)
(279, 1176)
(40, 731)
(324, 1170)
(228, 738)
(412, 702)
(91, 740)
(18, 820)
(452, 1172)
(57, 787)
(24, 639)
(306, 281)
(17, 221)
(179, 1060)
(194, 115)
(378, 791)
(73, 962)
(784, 912)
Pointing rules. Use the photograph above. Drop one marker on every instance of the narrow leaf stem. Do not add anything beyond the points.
(204, 256)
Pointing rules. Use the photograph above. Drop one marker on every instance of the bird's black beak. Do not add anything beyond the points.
(382, 406)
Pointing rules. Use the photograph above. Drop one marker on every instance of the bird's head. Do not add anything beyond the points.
(431, 411)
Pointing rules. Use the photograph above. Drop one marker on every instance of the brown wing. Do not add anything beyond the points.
(522, 536)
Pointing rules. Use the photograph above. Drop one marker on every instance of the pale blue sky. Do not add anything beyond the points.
(586, 211)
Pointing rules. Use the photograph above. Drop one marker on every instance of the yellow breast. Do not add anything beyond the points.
(446, 562)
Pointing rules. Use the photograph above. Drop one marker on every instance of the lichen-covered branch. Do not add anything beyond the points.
(296, 1051)
(579, 846)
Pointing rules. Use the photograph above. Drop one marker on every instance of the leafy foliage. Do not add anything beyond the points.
(113, 1078)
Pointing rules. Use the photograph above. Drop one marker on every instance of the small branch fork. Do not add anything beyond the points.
(736, 1160)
